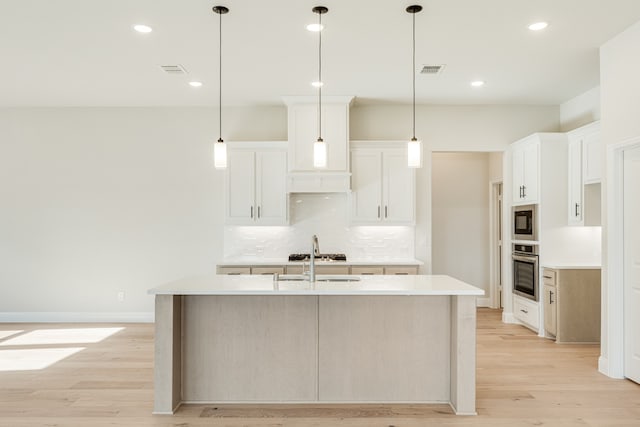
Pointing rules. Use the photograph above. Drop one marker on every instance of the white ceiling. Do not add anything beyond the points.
(85, 52)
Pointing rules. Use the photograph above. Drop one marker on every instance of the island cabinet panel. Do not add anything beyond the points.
(376, 348)
(249, 348)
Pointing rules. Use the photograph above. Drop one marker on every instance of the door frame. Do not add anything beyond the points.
(494, 253)
(611, 361)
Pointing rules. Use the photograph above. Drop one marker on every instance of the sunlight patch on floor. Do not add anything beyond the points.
(33, 359)
(5, 334)
(62, 336)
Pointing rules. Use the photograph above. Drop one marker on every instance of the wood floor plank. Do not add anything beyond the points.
(522, 381)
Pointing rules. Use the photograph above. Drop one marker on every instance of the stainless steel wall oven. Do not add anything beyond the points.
(525, 271)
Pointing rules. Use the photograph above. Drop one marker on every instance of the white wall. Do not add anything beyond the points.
(454, 127)
(98, 200)
(581, 110)
(460, 204)
(620, 93)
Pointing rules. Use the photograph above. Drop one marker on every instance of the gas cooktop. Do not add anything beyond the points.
(320, 257)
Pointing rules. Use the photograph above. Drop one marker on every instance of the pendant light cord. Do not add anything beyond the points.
(413, 73)
(220, 81)
(320, 77)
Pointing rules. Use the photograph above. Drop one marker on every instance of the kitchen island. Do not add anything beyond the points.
(250, 339)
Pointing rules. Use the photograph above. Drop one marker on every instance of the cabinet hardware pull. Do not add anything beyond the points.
(548, 277)
(386, 215)
(251, 212)
(524, 311)
(378, 211)
(577, 209)
(524, 191)
(258, 211)
(551, 297)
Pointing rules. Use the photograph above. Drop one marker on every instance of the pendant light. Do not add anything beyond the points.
(414, 147)
(320, 147)
(220, 148)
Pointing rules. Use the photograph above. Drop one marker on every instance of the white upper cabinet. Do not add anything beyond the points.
(303, 132)
(592, 154)
(584, 169)
(575, 189)
(256, 184)
(526, 163)
(383, 187)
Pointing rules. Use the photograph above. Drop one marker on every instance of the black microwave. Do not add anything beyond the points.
(525, 222)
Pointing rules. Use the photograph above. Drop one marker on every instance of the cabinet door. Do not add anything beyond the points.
(366, 195)
(398, 189)
(517, 170)
(531, 161)
(592, 158)
(575, 182)
(550, 310)
(240, 187)
(271, 188)
(303, 132)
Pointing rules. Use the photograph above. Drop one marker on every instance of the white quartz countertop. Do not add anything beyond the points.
(368, 285)
(249, 261)
(573, 266)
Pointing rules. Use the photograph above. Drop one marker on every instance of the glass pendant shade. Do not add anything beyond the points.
(319, 154)
(414, 153)
(220, 155)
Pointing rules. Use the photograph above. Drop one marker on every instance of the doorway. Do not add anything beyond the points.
(495, 218)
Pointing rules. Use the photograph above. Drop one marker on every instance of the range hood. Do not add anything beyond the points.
(303, 131)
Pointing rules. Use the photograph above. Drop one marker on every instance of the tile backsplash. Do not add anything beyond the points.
(326, 215)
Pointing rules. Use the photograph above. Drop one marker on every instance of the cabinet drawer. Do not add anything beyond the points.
(549, 277)
(527, 312)
(320, 269)
(267, 270)
(360, 270)
(234, 270)
(401, 270)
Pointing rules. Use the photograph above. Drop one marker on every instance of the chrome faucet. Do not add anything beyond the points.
(315, 250)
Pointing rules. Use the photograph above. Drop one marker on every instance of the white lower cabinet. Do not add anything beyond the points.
(256, 191)
(383, 187)
(527, 312)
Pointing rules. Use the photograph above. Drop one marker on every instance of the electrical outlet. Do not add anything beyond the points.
(121, 296)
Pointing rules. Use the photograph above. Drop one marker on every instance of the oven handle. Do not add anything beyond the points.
(531, 259)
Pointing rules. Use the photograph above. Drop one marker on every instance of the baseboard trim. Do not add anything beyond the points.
(483, 302)
(509, 318)
(76, 317)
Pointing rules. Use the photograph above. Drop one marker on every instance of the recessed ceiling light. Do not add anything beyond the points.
(537, 26)
(315, 27)
(477, 83)
(142, 28)
(195, 84)
(317, 84)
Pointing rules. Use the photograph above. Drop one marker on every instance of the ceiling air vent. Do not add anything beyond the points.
(173, 69)
(432, 69)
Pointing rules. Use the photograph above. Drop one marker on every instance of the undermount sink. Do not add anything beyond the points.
(319, 278)
(338, 278)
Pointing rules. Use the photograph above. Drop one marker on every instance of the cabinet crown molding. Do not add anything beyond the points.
(326, 100)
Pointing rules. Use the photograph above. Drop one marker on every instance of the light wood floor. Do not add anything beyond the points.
(522, 380)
